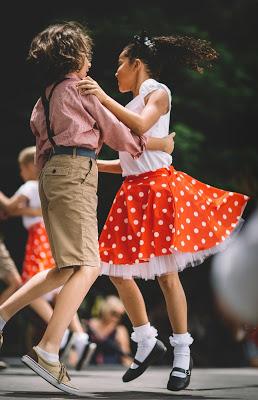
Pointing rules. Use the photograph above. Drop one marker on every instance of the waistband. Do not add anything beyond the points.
(150, 174)
(73, 151)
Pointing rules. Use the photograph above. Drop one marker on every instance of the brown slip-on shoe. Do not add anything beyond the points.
(53, 372)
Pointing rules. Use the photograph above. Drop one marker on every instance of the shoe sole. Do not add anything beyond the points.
(43, 373)
(159, 353)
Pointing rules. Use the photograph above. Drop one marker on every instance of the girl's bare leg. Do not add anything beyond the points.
(133, 300)
(42, 308)
(175, 301)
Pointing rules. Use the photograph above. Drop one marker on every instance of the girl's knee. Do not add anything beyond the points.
(169, 282)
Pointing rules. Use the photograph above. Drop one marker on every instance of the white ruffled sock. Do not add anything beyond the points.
(181, 343)
(80, 340)
(2, 323)
(145, 337)
(51, 357)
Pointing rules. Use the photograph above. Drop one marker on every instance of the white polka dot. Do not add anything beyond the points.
(203, 241)
(119, 210)
(133, 249)
(144, 217)
(246, 197)
(188, 220)
(154, 206)
(193, 181)
(116, 228)
(182, 226)
(188, 203)
(231, 193)
(196, 247)
(195, 197)
(102, 244)
(176, 199)
(233, 225)
(169, 199)
(133, 210)
(152, 182)
(152, 255)
(219, 223)
(225, 200)
(196, 213)
(158, 194)
(109, 236)
(215, 228)
(136, 222)
(120, 255)
(106, 252)
(129, 237)
(182, 192)
(181, 209)
(212, 213)
(178, 232)
(173, 230)
(164, 251)
(141, 194)
(164, 210)
(215, 195)
(182, 243)
(208, 186)
(144, 206)
(173, 184)
(156, 234)
(223, 238)
(164, 185)
(152, 243)
(210, 234)
(178, 179)
(227, 232)
(138, 234)
(168, 238)
(203, 207)
(111, 218)
(200, 191)
(141, 242)
(130, 198)
(160, 222)
(188, 237)
(187, 188)
(224, 216)
(236, 203)
(137, 261)
(230, 210)
(140, 255)
(204, 223)
(126, 220)
(142, 229)
(123, 238)
(113, 246)
(196, 230)
(129, 186)
(121, 193)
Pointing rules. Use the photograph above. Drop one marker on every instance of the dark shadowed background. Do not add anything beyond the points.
(214, 115)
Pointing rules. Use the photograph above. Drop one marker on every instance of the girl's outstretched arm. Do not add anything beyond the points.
(110, 166)
(157, 104)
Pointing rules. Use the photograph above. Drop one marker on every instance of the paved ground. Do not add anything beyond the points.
(19, 382)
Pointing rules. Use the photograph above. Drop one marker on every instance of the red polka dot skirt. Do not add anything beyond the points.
(38, 256)
(163, 221)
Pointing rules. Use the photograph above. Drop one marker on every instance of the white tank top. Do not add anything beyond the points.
(149, 160)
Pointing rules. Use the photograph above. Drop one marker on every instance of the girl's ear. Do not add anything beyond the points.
(137, 63)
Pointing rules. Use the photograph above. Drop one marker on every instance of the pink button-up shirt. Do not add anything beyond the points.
(80, 121)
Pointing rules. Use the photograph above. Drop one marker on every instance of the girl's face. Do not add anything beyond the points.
(125, 74)
(82, 73)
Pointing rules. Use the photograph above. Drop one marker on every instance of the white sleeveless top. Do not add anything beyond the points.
(149, 160)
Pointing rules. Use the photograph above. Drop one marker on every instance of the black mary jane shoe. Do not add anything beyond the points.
(157, 352)
(175, 383)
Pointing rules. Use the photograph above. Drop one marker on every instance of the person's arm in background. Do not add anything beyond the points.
(17, 206)
(123, 341)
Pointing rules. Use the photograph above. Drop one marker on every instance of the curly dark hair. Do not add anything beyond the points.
(58, 50)
(160, 54)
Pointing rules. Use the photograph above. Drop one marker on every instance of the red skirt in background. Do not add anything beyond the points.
(38, 256)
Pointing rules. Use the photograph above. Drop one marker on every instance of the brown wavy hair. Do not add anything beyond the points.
(168, 53)
(58, 50)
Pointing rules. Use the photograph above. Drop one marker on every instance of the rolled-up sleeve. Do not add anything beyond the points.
(112, 131)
